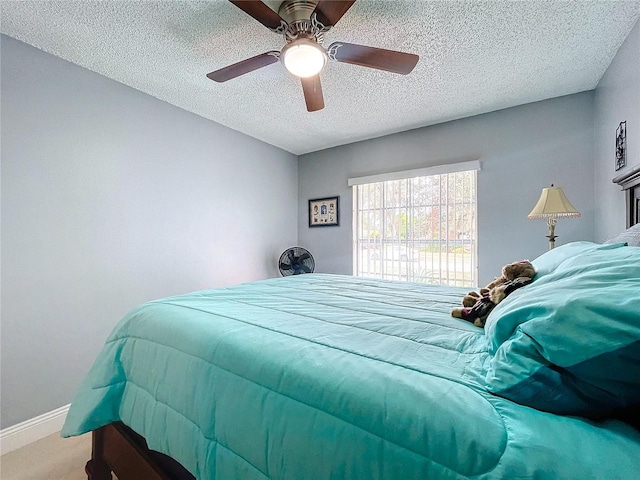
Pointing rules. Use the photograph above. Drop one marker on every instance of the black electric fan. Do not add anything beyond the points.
(295, 261)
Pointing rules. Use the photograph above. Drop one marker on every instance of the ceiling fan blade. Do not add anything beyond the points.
(372, 57)
(260, 12)
(245, 66)
(313, 93)
(328, 12)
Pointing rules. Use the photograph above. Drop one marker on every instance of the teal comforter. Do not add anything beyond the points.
(331, 377)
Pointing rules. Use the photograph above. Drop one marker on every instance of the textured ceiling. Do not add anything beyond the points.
(475, 57)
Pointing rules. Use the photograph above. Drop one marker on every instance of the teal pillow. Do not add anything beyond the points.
(569, 342)
(549, 261)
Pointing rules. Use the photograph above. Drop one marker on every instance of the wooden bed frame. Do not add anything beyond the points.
(118, 449)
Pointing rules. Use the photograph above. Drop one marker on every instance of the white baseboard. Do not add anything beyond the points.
(29, 431)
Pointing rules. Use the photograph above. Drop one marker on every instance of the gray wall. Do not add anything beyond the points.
(616, 99)
(111, 198)
(522, 150)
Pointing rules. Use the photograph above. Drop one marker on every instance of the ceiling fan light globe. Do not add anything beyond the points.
(303, 58)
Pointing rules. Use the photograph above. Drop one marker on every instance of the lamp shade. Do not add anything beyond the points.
(304, 58)
(553, 203)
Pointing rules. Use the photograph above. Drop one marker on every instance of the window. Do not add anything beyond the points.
(421, 228)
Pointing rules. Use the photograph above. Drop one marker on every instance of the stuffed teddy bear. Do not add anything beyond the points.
(511, 271)
(514, 276)
(482, 308)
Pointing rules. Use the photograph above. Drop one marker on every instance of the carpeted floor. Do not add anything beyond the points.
(52, 458)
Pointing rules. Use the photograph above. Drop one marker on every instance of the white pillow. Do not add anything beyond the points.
(631, 236)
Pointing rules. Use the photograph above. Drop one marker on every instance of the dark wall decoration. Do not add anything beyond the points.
(324, 212)
(621, 145)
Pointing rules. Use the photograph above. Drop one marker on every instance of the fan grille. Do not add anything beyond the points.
(296, 261)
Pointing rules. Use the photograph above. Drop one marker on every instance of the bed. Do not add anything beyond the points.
(334, 377)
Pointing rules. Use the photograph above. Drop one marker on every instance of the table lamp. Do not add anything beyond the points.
(553, 203)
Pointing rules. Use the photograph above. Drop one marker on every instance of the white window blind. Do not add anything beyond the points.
(417, 225)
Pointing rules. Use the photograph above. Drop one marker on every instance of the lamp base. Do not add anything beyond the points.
(552, 221)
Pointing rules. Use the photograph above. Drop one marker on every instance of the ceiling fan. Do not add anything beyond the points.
(303, 24)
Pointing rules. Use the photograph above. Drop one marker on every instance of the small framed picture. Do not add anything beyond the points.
(621, 145)
(324, 212)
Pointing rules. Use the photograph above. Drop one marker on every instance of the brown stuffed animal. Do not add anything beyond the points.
(511, 271)
(480, 311)
(477, 306)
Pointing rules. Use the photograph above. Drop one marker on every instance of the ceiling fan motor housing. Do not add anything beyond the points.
(300, 23)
